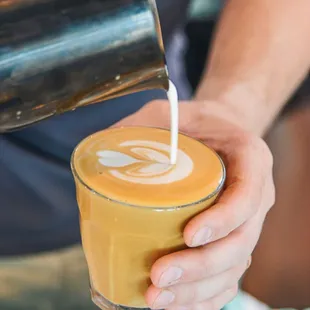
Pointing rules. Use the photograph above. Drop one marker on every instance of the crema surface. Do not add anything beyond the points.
(132, 165)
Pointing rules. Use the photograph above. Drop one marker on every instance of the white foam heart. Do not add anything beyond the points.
(155, 167)
(114, 159)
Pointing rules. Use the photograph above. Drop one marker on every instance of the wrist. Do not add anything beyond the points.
(238, 103)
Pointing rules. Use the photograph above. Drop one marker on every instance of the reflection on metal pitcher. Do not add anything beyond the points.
(57, 55)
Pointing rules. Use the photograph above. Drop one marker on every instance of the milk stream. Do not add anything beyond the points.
(172, 95)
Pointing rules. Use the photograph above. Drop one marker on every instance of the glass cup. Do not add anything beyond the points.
(121, 241)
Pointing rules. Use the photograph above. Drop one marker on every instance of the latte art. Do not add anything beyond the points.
(149, 163)
(132, 164)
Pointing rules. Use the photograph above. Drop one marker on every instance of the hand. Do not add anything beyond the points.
(221, 239)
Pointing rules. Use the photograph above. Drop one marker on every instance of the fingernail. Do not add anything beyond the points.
(164, 299)
(170, 276)
(202, 237)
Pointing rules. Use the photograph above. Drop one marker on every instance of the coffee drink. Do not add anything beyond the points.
(134, 205)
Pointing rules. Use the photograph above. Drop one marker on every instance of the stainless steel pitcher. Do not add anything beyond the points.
(57, 55)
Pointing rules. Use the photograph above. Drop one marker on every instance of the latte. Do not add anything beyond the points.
(134, 204)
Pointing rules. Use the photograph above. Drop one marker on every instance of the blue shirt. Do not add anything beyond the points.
(38, 209)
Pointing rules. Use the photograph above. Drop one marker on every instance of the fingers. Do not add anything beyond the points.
(208, 261)
(249, 185)
(195, 292)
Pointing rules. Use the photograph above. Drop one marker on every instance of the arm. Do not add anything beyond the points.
(260, 55)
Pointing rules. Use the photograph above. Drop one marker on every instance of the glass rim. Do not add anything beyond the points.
(152, 208)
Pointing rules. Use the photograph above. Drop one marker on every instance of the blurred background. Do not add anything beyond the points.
(280, 273)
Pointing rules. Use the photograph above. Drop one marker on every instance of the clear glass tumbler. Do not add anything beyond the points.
(122, 241)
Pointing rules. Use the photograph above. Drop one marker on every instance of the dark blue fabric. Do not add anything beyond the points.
(38, 210)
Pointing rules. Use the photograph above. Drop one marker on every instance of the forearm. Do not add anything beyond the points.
(260, 55)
